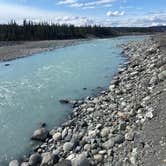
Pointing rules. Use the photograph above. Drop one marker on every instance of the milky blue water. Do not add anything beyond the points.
(30, 88)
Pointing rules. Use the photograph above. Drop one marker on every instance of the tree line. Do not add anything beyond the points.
(31, 31)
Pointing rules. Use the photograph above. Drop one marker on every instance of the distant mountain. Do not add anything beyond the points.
(158, 28)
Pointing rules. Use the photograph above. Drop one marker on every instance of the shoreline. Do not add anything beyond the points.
(13, 50)
(106, 129)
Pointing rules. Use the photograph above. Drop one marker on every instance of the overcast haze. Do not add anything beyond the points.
(86, 12)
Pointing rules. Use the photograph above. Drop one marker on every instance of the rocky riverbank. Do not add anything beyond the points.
(108, 129)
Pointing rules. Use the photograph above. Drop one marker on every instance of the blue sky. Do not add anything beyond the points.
(85, 12)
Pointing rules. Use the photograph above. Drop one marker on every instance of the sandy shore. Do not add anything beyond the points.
(123, 126)
(13, 50)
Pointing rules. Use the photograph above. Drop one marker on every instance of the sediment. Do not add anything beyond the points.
(19, 49)
(123, 126)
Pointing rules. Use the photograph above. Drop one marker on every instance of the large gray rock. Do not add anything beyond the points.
(49, 159)
(108, 144)
(98, 157)
(80, 160)
(68, 146)
(105, 131)
(119, 139)
(129, 136)
(112, 141)
(35, 159)
(64, 101)
(14, 163)
(40, 134)
(87, 147)
(57, 136)
(64, 133)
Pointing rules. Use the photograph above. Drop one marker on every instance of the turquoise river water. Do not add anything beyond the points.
(30, 88)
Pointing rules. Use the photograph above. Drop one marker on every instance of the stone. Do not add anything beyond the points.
(35, 159)
(111, 87)
(68, 146)
(119, 139)
(123, 115)
(133, 157)
(24, 164)
(90, 109)
(57, 136)
(162, 75)
(71, 157)
(92, 133)
(14, 163)
(98, 157)
(87, 147)
(43, 124)
(123, 104)
(64, 133)
(80, 160)
(108, 144)
(99, 126)
(49, 159)
(129, 136)
(105, 132)
(40, 134)
(75, 140)
(78, 149)
(64, 101)
(146, 98)
(102, 152)
(56, 152)
(149, 114)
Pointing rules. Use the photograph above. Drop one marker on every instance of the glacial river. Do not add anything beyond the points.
(30, 88)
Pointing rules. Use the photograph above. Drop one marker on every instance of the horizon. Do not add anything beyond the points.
(109, 13)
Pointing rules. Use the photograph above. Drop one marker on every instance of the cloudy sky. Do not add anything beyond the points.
(86, 12)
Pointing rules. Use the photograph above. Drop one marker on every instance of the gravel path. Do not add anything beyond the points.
(154, 131)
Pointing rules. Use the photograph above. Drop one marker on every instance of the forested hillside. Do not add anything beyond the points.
(43, 31)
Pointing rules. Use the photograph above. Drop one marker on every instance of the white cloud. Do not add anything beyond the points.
(115, 13)
(138, 21)
(78, 21)
(99, 2)
(67, 2)
(77, 5)
(18, 12)
(149, 20)
(107, 5)
(87, 5)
